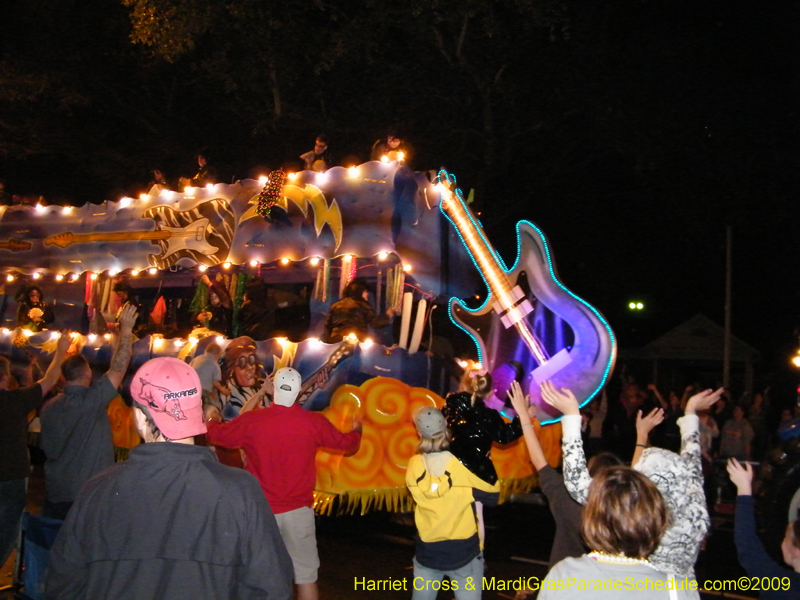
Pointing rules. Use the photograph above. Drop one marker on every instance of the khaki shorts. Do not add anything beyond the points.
(300, 536)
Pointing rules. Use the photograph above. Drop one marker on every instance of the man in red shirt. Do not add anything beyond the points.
(281, 442)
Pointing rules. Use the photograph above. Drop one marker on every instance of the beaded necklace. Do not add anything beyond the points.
(618, 559)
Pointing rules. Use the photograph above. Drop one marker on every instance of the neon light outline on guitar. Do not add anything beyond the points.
(584, 367)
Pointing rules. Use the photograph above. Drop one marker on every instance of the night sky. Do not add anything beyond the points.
(631, 132)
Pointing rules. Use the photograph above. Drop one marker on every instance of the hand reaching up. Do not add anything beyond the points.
(644, 425)
(741, 476)
(127, 318)
(703, 400)
(63, 342)
(519, 401)
(564, 400)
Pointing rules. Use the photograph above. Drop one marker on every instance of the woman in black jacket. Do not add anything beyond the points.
(33, 312)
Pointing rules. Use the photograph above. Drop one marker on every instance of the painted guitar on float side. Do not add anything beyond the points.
(202, 234)
(192, 237)
(15, 245)
(522, 320)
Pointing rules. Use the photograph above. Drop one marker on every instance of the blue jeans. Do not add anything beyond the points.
(466, 582)
(13, 496)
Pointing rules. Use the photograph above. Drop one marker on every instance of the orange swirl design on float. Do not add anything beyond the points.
(386, 401)
(374, 477)
(359, 470)
(420, 397)
(400, 447)
(349, 398)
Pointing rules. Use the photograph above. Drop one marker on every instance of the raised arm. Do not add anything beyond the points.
(521, 404)
(54, 370)
(219, 290)
(255, 399)
(689, 424)
(752, 555)
(644, 425)
(654, 388)
(122, 353)
(576, 475)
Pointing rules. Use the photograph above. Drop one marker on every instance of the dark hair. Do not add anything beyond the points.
(74, 367)
(602, 461)
(240, 346)
(355, 289)
(322, 138)
(24, 293)
(625, 513)
(123, 286)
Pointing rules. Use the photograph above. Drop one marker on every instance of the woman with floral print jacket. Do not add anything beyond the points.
(678, 477)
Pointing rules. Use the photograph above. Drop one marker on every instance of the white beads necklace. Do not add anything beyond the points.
(618, 559)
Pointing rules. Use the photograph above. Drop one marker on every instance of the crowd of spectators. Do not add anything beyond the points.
(212, 531)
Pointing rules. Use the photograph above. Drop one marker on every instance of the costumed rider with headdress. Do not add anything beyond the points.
(33, 312)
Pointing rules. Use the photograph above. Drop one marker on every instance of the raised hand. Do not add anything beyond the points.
(703, 400)
(565, 400)
(127, 318)
(63, 342)
(519, 401)
(266, 387)
(644, 425)
(741, 476)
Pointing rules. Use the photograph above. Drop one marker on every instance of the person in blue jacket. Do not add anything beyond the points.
(784, 583)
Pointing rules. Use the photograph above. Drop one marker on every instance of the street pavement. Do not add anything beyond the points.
(378, 547)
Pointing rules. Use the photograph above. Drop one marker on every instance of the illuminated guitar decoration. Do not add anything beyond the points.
(202, 234)
(523, 318)
(15, 245)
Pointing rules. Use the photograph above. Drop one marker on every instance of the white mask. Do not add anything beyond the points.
(286, 384)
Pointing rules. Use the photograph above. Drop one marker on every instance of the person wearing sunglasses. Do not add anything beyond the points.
(242, 375)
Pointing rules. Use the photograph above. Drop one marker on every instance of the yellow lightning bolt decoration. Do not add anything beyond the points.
(287, 358)
(302, 198)
(324, 213)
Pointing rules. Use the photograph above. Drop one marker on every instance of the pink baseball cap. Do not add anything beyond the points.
(171, 390)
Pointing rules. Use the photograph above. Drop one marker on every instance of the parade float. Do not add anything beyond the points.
(305, 236)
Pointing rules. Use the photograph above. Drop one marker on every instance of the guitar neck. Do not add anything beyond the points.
(310, 385)
(490, 267)
(480, 248)
(120, 236)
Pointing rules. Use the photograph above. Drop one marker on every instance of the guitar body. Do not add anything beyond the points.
(559, 320)
(202, 234)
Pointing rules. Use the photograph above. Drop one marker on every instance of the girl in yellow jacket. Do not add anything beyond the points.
(447, 534)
